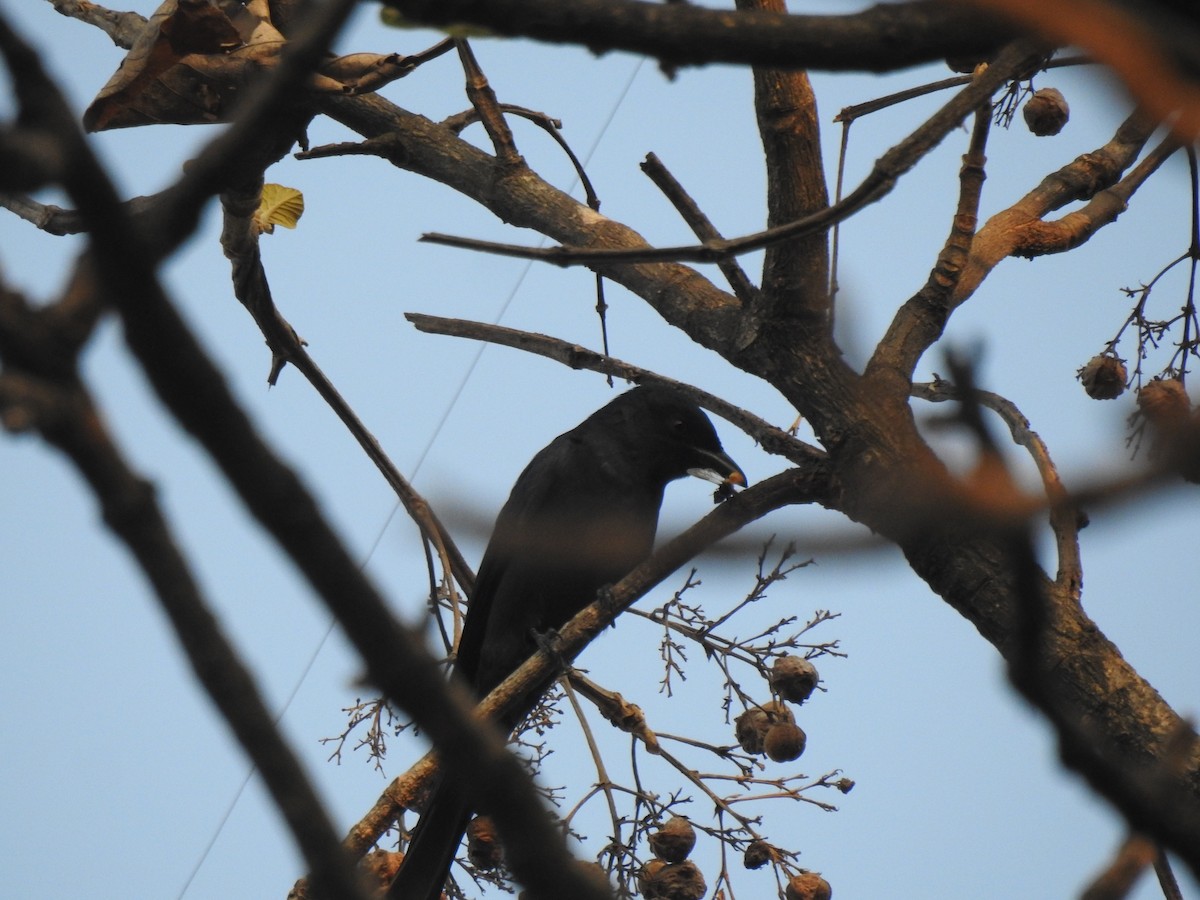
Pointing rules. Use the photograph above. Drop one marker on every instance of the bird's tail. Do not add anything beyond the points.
(434, 843)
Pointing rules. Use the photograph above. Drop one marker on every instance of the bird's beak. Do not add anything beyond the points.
(719, 469)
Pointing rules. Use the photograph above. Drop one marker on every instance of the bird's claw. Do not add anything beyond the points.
(608, 603)
(550, 643)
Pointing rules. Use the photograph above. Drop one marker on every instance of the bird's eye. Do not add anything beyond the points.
(677, 424)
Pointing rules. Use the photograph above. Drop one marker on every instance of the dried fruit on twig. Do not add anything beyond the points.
(808, 886)
(758, 854)
(660, 880)
(1104, 377)
(483, 844)
(1046, 112)
(784, 742)
(751, 726)
(674, 840)
(1164, 402)
(793, 678)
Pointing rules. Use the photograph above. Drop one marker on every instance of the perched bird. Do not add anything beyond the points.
(580, 517)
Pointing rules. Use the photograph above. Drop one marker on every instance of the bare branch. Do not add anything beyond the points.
(1063, 510)
(795, 273)
(240, 242)
(483, 99)
(772, 439)
(704, 229)
(922, 319)
(881, 38)
(1017, 58)
(1082, 178)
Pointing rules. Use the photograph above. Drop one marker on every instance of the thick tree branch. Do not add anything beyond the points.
(1154, 795)
(1037, 237)
(795, 282)
(882, 38)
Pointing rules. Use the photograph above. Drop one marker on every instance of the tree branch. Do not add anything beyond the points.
(772, 439)
(1014, 60)
(881, 38)
(795, 282)
(1083, 178)
(239, 240)
(922, 319)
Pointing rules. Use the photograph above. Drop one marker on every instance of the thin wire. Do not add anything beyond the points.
(458, 391)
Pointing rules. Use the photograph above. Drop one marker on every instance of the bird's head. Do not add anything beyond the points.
(680, 440)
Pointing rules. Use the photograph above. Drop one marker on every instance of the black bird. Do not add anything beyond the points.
(580, 517)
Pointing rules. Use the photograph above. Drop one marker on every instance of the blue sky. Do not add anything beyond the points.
(117, 774)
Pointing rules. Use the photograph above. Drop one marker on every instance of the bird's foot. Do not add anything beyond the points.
(608, 604)
(550, 643)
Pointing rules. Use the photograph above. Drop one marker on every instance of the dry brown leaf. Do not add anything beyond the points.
(195, 57)
(188, 66)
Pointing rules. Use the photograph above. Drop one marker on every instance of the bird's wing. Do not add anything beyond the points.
(572, 524)
(535, 491)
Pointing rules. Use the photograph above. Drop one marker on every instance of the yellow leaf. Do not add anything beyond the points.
(279, 206)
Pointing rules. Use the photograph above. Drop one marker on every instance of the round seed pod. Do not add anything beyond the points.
(757, 855)
(1104, 377)
(808, 886)
(648, 877)
(1164, 402)
(784, 742)
(483, 844)
(660, 880)
(674, 840)
(1046, 112)
(751, 726)
(793, 678)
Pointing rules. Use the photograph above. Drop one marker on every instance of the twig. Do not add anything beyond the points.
(704, 229)
(483, 98)
(772, 439)
(1064, 513)
(240, 242)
